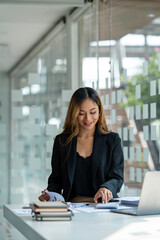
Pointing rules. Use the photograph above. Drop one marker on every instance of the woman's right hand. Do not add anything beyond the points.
(44, 196)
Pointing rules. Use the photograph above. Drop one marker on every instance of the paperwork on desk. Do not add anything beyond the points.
(86, 209)
(89, 209)
(23, 212)
(109, 205)
(130, 201)
(93, 207)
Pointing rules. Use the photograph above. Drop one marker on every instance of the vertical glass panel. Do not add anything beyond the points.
(153, 133)
(131, 134)
(153, 110)
(145, 68)
(107, 99)
(125, 134)
(138, 112)
(139, 175)
(125, 151)
(131, 113)
(145, 154)
(145, 111)
(120, 132)
(102, 99)
(113, 115)
(132, 174)
(124, 75)
(153, 88)
(138, 91)
(138, 154)
(146, 132)
(131, 153)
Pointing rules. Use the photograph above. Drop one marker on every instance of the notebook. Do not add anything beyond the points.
(149, 202)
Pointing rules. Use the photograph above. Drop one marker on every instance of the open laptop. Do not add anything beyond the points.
(149, 202)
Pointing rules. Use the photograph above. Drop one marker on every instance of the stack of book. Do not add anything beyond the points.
(51, 211)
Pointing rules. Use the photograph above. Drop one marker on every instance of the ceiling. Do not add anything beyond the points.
(130, 16)
(24, 22)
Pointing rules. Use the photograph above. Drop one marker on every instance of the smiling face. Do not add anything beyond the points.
(88, 115)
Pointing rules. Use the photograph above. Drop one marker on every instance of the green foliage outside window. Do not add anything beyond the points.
(144, 81)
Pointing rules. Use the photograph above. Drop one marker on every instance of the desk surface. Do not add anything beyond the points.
(94, 226)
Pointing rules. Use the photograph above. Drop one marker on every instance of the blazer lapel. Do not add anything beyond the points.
(98, 146)
(71, 160)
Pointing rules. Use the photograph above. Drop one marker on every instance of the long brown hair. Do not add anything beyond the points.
(71, 125)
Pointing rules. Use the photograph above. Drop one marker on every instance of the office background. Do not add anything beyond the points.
(110, 45)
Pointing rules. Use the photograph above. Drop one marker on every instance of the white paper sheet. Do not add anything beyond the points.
(24, 212)
(55, 197)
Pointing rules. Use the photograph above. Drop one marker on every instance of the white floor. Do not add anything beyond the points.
(7, 232)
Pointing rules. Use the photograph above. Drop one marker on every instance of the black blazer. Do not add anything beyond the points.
(107, 164)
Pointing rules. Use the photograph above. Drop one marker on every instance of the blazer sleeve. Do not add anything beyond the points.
(55, 179)
(115, 177)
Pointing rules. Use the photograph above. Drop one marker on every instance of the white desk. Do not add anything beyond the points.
(87, 226)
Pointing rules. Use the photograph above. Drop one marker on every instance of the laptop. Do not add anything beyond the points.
(149, 202)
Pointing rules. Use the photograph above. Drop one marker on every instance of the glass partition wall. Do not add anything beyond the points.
(37, 117)
(119, 56)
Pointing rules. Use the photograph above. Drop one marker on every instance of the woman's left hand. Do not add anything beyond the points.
(105, 194)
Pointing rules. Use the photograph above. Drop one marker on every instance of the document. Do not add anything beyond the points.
(93, 207)
(23, 212)
(130, 200)
(109, 205)
(88, 209)
(55, 197)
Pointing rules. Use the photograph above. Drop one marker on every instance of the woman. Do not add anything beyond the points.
(87, 159)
